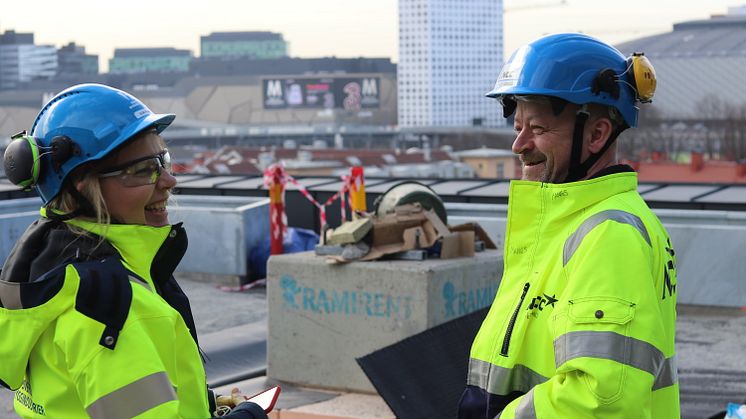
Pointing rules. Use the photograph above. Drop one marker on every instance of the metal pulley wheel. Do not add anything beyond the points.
(410, 192)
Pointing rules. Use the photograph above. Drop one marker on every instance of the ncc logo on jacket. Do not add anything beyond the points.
(539, 303)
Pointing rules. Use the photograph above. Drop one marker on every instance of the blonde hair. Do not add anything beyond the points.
(89, 185)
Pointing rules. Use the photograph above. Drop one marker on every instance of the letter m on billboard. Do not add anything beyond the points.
(273, 94)
(370, 87)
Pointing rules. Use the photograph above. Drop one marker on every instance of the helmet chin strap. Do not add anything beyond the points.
(84, 206)
(578, 170)
(575, 171)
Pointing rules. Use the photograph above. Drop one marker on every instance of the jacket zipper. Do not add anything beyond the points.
(511, 323)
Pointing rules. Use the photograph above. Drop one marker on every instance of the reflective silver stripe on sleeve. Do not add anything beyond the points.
(134, 398)
(501, 380)
(573, 242)
(619, 348)
(136, 280)
(10, 295)
(526, 409)
(668, 375)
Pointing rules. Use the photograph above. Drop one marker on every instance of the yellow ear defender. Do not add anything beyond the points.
(643, 76)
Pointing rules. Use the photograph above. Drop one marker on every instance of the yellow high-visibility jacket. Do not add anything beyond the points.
(583, 323)
(106, 334)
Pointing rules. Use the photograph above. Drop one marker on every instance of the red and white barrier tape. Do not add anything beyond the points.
(286, 178)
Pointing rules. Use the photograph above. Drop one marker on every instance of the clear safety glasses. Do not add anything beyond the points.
(142, 171)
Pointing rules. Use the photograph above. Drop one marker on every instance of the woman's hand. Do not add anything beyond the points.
(231, 401)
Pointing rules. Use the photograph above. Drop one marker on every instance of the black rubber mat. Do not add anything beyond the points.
(236, 353)
(424, 375)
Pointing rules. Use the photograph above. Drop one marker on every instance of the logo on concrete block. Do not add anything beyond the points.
(290, 289)
(327, 301)
(460, 303)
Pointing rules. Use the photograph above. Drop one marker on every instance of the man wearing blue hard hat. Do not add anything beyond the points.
(583, 323)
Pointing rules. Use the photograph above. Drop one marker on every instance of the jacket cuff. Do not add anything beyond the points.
(254, 409)
(212, 400)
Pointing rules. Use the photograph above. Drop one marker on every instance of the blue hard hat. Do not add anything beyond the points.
(93, 119)
(569, 66)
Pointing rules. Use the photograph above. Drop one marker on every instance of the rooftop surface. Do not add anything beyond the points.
(710, 343)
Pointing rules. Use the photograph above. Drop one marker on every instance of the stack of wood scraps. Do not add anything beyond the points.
(410, 232)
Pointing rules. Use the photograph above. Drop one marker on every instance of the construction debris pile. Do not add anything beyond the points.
(409, 222)
(407, 231)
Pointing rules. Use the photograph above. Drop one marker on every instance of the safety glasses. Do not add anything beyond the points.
(142, 171)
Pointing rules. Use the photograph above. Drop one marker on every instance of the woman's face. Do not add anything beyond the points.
(127, 199)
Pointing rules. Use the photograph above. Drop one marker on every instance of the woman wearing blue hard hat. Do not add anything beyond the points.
(583, 323)
(94, 323)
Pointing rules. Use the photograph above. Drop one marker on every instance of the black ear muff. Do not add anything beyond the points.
(21, 161)
(606, 82)
(62, 148)
(642, 75)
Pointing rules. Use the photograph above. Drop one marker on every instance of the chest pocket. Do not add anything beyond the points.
(600, 310)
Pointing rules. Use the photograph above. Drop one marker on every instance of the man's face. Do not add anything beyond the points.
(543, 141)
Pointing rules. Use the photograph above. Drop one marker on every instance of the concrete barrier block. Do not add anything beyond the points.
(321, 316)
(222, 231)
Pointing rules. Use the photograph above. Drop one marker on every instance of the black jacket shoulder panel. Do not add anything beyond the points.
(105, 295)
(36, 293)
(32, 242)
(47, 244)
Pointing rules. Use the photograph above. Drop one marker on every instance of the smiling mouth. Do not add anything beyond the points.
(157, 207)
(533, 163)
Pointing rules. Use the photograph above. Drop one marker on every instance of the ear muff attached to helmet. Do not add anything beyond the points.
(643, 78)
(22, 159)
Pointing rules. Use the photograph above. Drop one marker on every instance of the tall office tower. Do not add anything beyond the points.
(23, 61)
(450, 52)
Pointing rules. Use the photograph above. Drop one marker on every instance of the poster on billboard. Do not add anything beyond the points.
(351, 94)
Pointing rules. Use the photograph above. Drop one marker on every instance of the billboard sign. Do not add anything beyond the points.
(348, 93)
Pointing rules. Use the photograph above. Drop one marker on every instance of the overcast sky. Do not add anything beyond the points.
(316, 28)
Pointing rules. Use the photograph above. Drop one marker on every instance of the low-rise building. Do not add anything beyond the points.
(73, 60)
(150, 60)
(491, 163)
(22, 61)
(333, 162)
(232, 45)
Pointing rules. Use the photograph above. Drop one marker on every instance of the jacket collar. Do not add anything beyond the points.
(528, 199)
(136, 244)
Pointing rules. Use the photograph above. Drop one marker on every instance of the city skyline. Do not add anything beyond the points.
(342, 28)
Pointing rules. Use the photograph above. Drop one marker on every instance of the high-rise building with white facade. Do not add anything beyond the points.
(450, 52)
(22, 61)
